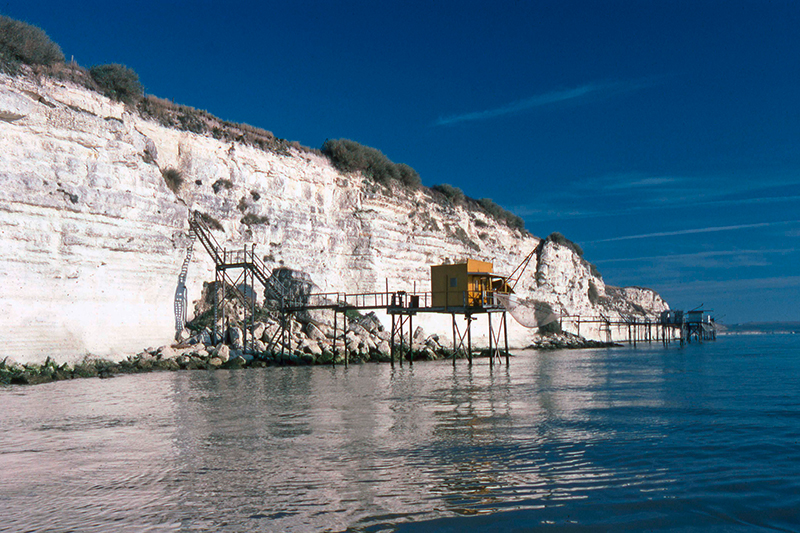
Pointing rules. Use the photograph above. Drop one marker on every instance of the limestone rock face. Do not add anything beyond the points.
(92, 241)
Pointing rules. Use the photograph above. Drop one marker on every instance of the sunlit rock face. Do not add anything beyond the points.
(92, 240)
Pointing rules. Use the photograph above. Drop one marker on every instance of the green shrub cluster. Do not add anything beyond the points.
(187, 118)
(350, 156)
(173, 178)
(557, 238)
(253, 220)
(453, 194)
(211, 222)
(22, 43)
(220, 184)
(593, 294)
(509, 218)
(118, 82)
(456, 196)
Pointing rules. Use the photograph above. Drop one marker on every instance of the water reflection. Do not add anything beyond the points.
(366, 447)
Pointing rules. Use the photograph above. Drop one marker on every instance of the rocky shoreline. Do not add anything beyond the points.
(364, 341)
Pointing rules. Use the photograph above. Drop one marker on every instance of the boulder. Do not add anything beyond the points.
(384, 348)
(236, 362)
(258, 330)
(235, 337)
(166, 352)
(269, 332)
(312, 347)
(351, 338)
(370, 343)
(215, 361)
(223, 352)
(371, 323)
(358, 330)
(202, 337)
(314, 333)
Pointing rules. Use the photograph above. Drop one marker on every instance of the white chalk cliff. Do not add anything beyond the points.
(92, 240)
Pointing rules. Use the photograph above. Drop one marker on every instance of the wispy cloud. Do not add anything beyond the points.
(733, 285)
(633, 193)
(577, 95)
(693, 231)
(695, 256)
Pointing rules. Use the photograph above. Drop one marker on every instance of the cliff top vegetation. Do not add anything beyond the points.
(24, 46)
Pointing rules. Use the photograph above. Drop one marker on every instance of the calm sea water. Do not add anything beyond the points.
(704, 438)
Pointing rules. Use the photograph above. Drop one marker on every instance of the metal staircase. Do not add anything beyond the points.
(249, 267)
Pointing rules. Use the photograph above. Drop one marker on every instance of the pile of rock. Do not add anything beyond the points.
(307, 340)
(566, 341)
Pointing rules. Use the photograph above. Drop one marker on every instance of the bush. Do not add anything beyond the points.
(557, 238)
(593, 295)
(220, 184)
(173, 179)
(408, 176)
(453, 194)
(511, 220)
(456, 196)
(350, 156)
(24, 43)
(253, 220)
(118, 82)
(211, 222)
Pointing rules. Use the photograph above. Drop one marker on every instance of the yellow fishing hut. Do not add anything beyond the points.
(469, 284)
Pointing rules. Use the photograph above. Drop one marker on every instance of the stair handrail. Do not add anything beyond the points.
(203, 232)
(266, 276)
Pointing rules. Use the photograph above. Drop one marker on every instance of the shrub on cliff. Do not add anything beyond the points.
(23, 43)
(557, 238)
(118, 82)
(456, 196)
(173, 178)
(211, 222)
(593, 294)
(510, 219)
(254, 220)
(222, 184)
(408, 176)
(350, 156)
(453, 194)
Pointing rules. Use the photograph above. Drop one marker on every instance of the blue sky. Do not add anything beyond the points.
(662, 136)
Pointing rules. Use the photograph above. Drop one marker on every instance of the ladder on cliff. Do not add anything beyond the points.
(181, 301)
(251, 269)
